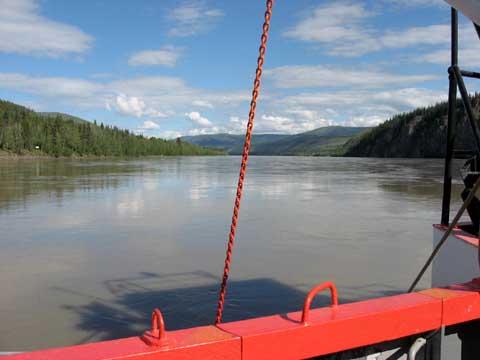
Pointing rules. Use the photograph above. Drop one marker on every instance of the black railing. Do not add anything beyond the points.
(456, 82)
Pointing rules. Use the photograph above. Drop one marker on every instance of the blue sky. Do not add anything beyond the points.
(169, 68)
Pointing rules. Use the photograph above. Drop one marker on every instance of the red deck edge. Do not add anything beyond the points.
(329, 330)
(338, 328)
(460, 234)
(206, 342)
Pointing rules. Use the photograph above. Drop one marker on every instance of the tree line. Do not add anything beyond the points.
(420, 133)
(24, 131)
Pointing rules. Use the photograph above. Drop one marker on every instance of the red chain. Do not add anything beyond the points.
(243, 167)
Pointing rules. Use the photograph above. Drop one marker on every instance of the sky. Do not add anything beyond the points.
(170, 68)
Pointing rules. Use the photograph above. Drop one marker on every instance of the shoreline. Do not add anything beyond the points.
(12, 157)
(4, 156)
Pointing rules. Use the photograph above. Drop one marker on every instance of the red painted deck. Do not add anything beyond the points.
(460, 234)
(329, 330)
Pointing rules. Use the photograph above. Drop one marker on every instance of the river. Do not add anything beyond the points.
(90, 248)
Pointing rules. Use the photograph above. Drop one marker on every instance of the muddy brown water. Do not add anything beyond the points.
(89, 248)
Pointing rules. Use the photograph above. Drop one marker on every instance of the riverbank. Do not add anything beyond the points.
(7, 155)
(38, 155)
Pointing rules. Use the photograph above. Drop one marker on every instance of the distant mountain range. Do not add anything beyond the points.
(420, 133)
(323, 141)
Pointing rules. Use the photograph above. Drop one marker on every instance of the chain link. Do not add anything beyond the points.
(243, 167)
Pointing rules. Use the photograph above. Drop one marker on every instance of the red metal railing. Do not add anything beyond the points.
(157, 335)
(313, 293)
(328, 330)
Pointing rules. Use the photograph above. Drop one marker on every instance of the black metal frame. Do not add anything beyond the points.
(456, 82)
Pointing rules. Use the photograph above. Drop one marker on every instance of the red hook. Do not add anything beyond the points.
(313, 293)
(157, 335)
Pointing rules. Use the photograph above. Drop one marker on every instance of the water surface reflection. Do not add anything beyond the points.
(91, 247)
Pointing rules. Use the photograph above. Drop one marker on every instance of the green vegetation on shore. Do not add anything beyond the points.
(25, 132)
(420, 133)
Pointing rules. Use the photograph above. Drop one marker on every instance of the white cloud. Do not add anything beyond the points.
(339, 25)
(101, 76)
(195, 117)
(365, 121)
(168, 94)
(408, 98)
(24, 31)
(204, 131)
(416, 2)
(467, 57)
(147, 127)
(331, 22)
(150, 125)
(166, 56)
(309, 114)
(302, 113)
(278, 124)
(273, 123)
(287, 125)
(343, 28)
(133, 106)
(390, 100)
(236, 125)
(151, 98)
(149, 85)
(228, 98)
(170, 134)
(306, 76)
(308, 111)
(414, 36)
(202, 103)
(154, 96)
(469, 49)
(305, 112)
(55, 87)
(351, 108)
(192, 17)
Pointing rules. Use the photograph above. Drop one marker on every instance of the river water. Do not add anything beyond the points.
(90, 248)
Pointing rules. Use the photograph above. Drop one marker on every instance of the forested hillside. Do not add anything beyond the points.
(23, 131)
(419, 133)
(232, 143)
(325, 141)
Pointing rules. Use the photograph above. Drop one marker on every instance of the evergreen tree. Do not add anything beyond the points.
(22, 129)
